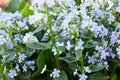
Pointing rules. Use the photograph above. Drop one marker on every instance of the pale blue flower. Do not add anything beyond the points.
(91, 59)
(79, 44)
(17, 67)
(118, 50)
(54, 50)
(83, 77)
(24, 67)
(55, 73)
(12, 73)
(21, 57)
(87, 69)
(29, 38)
(69, 46)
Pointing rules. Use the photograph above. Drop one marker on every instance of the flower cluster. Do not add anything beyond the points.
(82, 35)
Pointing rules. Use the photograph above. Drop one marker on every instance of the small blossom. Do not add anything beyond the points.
(118, 50)
(68, 47)
(118, 9)
(106, 64)
(21, 57)
(75, 72)
(24, 68)
(29, 38)
(83, 77)
(12, 73)
(30, 62)
(79, 44)
(54, 50)
(58, 44)
(111, 19)
(87, 69)
(55, 73)
(43, 70)
(17, 67)
(32, 68)
(91, 59)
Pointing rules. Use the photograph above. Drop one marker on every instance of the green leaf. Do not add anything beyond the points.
(78, 54)
(21, 5)
(45, 58)
(1, 50)
(40, 28)
(26, 11)
(73, 66)
(29, 52)
(13, 6)
(78, 2)
(97, 76)
(63, 76)
(92, 44)
(10, 55)
(26, 75)
(39, 45)
(68, 59)
(96, 68)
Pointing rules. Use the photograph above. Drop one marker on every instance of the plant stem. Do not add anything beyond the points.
(52, 36)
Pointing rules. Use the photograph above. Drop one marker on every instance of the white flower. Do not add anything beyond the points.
(59, 44)
(50, 3)
(83, 77)
(87, 69)
(118, 9)
(24, 67)
(118, 50)
(17, 67)
(68, 47)
(12, 73)
(32, 68)
(43, 70)
(55, 73)
(29, 38)
(54, 50)
(37, 18)
(30, 62)
(79, 44)
(106, 64)
(21, 57)
(75, 72)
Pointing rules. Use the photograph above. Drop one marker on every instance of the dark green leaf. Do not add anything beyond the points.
(68, 59)
(39, 45)
(29, 52)
(40, 28)
(97, 76)
(10, 55)
(78, 54)
(46, 57)
(96, 68)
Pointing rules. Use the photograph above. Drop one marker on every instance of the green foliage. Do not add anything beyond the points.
(15, 5)
(97, 76)
(96, 68)
(39, 45)
(42, 60)
(40, 28)
(26, 11)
